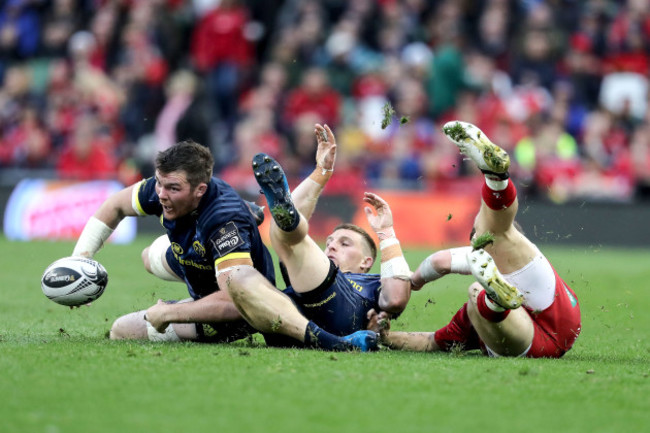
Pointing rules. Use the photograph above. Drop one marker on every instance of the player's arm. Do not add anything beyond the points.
(413, 341)
(101, 225)
(306, 194)
(395, 273)
(439, 264)
(214, 308)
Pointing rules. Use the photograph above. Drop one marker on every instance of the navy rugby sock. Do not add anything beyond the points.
(318, 338)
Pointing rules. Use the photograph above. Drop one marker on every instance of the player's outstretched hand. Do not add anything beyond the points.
(326, 151)
(384, 217)
(378, 322)
(155, 316)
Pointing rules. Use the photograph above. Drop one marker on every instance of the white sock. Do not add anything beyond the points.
(493, 305)
(496, 184)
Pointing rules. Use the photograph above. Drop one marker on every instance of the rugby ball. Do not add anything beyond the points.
(74, 281)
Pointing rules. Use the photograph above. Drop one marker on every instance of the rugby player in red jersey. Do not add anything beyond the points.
(518, 306)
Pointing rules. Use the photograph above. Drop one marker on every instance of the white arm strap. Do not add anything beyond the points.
(92, 238)
(396, 268)
(459, 260)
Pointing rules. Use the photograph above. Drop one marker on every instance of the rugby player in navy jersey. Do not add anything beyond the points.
(213, 245)
(332, 287)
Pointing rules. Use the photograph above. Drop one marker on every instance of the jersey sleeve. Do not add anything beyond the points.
(231, 237)
(144, 199)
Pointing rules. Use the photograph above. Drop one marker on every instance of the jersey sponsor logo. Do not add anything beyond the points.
(358, 287)
(200, 249)
(177, 249)
(208, 330)
(192, 263)
(323, 302)
(227, 239)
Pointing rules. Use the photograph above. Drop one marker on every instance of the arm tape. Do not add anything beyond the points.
(92, 238)
(388, 242)
(459, 260)
(427, 271)
(233, 268)
(395, 268)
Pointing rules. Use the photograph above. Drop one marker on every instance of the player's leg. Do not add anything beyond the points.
(270, 311)
(510, 249)
(155, 259)
(306, 264)
(495, 314)
(508, 332)
(133, 326)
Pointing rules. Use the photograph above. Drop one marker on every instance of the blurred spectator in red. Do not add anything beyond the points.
(269, 93)
(62, 97)
(27, 144)
(628, 39)
(608, 166)
(85, 155)
(221, 50)
(548, 157)
(253, 134)
(314, 95)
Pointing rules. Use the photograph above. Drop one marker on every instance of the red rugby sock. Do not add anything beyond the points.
(499, 200)
(488, 313)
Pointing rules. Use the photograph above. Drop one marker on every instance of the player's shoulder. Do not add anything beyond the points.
(362, 279)
(365, 276)
(224, 206)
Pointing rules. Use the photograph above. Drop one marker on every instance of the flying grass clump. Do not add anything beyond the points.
(482, 241)
(389, 112)
(404, 120)
(456, 132)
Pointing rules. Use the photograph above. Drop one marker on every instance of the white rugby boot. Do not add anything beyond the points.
(472, 142)
(496, 287)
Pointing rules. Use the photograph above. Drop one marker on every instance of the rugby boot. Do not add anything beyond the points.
(272, 180)
(496, 287)
(366, 341)
(473, 143)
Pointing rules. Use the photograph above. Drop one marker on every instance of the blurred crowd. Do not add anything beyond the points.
(94, 88)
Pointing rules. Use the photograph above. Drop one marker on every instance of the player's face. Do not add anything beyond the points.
(346, 249)
(176, 194)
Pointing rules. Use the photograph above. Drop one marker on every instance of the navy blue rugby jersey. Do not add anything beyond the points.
(221, 228)
(342, 307)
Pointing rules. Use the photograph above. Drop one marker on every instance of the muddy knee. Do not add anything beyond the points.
(129, 327)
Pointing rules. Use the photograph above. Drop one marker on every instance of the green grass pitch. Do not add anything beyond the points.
(59, 373)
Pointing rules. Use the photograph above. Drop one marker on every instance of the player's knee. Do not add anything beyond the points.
(118, 330)
(145, 260)
(472, 293)
(127, 328)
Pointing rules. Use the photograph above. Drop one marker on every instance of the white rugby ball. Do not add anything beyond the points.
(74, 281)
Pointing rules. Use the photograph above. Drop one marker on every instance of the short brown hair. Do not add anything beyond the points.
(364, 234)
(191, 157)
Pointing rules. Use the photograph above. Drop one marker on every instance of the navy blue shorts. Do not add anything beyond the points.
(335, 305)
